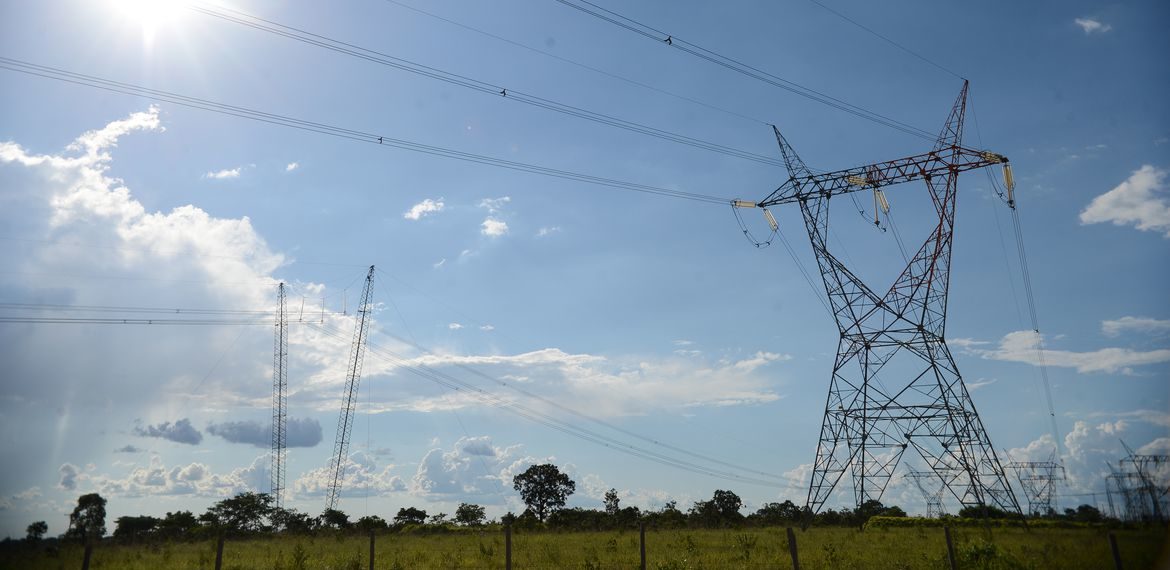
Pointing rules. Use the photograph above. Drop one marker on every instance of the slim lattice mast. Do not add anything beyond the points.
(357, 354)
(895, 385)
(932, 489)
(1148, 473)
(1038, 479)
(279, 387)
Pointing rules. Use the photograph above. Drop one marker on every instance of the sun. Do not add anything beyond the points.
(150, 15)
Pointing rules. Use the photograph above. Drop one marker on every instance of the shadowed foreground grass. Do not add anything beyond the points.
(819, 548)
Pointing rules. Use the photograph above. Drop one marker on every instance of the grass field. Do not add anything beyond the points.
(818, 548)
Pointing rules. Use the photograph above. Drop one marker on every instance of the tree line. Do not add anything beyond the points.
(544, 489)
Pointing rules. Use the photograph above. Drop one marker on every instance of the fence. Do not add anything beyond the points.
(626, 549)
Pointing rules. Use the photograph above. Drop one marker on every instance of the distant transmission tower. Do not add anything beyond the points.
(1039, 478)
(279, 388)
(1145, 476)
(932, 488)
(895, 385)
(353, 375)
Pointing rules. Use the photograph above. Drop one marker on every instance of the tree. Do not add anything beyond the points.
(292, 521)
(370, 523)
(777, 513)
(37, 530)
(410, 515)
(469, 515)
(543, 488)
(334, 518)
(721, 510)
(88, 519)
(612, 502)
(135, 528)
(177, 524)
(243, 513)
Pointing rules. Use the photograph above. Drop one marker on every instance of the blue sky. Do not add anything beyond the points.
(649, 313)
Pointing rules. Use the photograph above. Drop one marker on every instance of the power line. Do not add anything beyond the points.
(743, 68)
(542, 418)
(585, 66)
(340, 132)
(359, 52)
(886, 39)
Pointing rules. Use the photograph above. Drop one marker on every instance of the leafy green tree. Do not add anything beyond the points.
(721, 510)
(292, 521)
(333, 518)
(177, 524)
(36, 531)
(543, 488)
(135, 528)
(776, 514)
(88, 519)
(242, 514)
(1084, 513)
(612, 502)
(469, 515)
(370, 523)
(410, 515)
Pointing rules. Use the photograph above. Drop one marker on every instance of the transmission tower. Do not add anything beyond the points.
(357, 352)
(932, 488)
(895, 385)
(1146, 476)
(1038, 479)
(279, 387)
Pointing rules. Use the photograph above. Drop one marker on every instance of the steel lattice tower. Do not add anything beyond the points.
(932, 489)
(279, 388)
(895, 385)
(353, 375)
(1038, 479)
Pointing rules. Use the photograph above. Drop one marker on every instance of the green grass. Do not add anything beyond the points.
(819, 548)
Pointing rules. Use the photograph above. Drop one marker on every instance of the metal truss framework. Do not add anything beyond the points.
(1038, 479)
(932, 489)
(895, 385)
(1141, 482)
(279, 409)
(353, 375)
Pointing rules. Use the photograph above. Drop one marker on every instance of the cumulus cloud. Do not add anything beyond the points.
(1091, 26)
(70, 474)
(454, 326)
(1140, 201)
(156, 479)
(129, 449)
(360, 476)
(179, 432)
(473, 469)
(424, 208)
(224, 174)
(304, 432)
(492, 227)
(292, 166)
(494, 205)
(1137, 324)
(1022, 346)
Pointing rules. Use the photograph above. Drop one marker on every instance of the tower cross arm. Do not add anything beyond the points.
(873, 176)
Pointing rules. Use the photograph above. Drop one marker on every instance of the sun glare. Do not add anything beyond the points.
(150, 15)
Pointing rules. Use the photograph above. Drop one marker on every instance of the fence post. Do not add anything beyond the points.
(1116, 552)
(507, 547)
(642, 544)
(88, 553)
(371, 549)
(792, 549)
(950, 548)
(219, 553)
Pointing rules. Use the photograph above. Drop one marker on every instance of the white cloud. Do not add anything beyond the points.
(972, 386)
(494, 205)
(454, 326)
(1022, 346)
(492, 227)
(224, 174)
(1139, 324)
(1155, 417)
(424, 208)
(473, 469)
(1091, 26)
(360, 476)
(487, 328)
(156, 479)
(292, 166)
(440, 263)
(1138, 201)
(544, 232)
